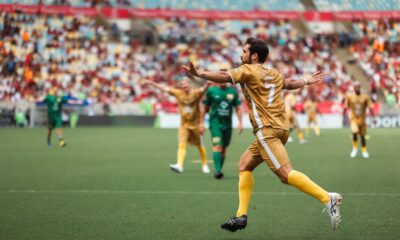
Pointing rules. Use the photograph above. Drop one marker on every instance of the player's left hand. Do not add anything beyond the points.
(240, 128)
(313, 78)
(191, 69)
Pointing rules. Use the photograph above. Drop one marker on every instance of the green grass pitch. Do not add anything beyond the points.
(114, 183)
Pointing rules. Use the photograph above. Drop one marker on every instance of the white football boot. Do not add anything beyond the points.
(176, 168)
(205, 168)
(332, 208)
(290, 139)
(365, 154)
(353, 153)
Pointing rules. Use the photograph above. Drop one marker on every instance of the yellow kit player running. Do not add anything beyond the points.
(310, 107)
(262, 90)
(290, 102)
(358, 104)
(189, 107)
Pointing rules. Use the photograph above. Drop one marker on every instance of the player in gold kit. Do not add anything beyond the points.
(189, 107)
(358, 104)
(290, 102)
(310, 107)
(262, 88)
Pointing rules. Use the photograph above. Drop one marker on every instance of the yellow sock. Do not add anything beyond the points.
(316, 130)
(306, 185)
(300, 135)
(181, 154)
(203, 154)
(308, 130)
(355, 144)
(246, 183)
(364, 149)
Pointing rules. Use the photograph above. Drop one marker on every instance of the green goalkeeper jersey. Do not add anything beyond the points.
(221, 102)
(54, 105)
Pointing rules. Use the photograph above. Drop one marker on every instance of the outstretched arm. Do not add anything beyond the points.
(214, 76)
(307, 79)
(204, 88)
(156, 85)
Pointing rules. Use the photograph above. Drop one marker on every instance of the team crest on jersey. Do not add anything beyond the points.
(216, 139)
(229, 96)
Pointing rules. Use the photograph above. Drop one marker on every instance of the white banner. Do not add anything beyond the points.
(167, 120)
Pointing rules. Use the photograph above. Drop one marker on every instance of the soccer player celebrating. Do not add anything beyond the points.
(290, 101)
(220, 101)
(54, 101)
(358, 104)
(189, 130)
(262, 90)
(310, 107)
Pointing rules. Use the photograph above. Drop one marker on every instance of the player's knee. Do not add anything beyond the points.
(217, 148)
(244, 167)
(283, 179)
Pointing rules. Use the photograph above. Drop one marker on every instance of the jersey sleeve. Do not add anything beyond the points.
(239, 74)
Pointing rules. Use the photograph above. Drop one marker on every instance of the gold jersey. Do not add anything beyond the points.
(358, 105)
(189, 107)
(310, 107)
(262, 89)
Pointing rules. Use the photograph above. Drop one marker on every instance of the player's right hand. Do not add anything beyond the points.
(201, 129)
(313, 78)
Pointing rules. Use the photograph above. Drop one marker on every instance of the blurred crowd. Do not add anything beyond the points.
(377, 49)
(78, 56)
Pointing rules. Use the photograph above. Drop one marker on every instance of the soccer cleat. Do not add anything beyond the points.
(63, 143)
(353, 153)
(205, 168)
(365, 154)
(176, 168)
(332, 208)
(218, 175)
(290, 139)
(235, 223)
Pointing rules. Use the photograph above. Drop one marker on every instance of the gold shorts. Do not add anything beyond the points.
(358, 127)
(312, 118)
(269, 145)
(189, 135)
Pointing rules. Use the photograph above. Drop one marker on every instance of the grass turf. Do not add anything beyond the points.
(114, 183)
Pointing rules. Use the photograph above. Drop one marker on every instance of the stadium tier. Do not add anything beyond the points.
(357, 5)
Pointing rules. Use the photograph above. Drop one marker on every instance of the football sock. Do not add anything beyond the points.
(203, 154)
(48, 140)
(355, 144)
(246, 184)
(308, 130)
(60, 139)
(364, 149)
(306, 185)
(217, 157)
(181, 154)
(316, 130)
(300, 135)
(222, 160)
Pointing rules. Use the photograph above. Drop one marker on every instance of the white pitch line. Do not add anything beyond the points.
(182, 192)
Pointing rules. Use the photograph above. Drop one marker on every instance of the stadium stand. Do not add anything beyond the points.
(359, 5)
